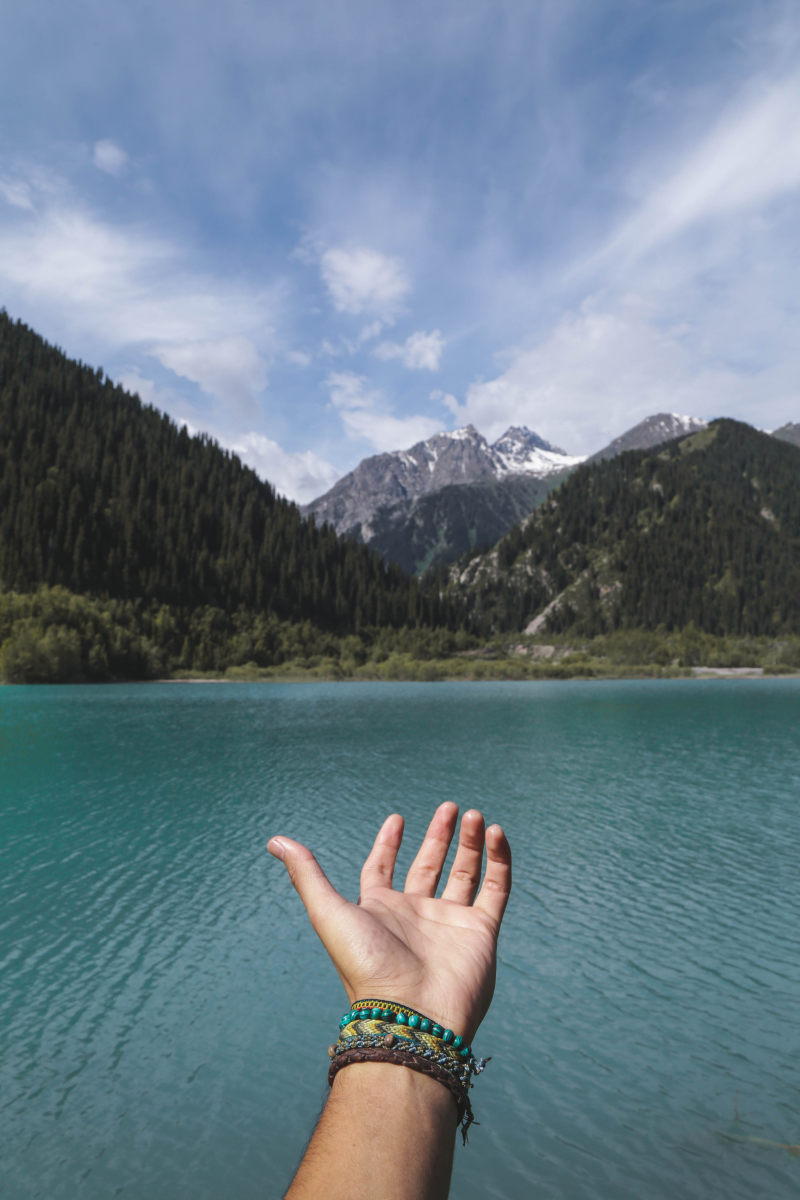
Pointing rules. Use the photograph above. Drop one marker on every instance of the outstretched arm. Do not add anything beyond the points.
(388, 1133)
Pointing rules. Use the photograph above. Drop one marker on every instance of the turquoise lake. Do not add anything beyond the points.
(165, 1007)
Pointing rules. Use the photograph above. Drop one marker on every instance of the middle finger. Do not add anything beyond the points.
(425, 871)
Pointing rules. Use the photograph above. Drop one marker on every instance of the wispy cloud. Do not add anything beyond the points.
(687, 306)
(596, 371)
(582, 214)
(126, 287)
(302, 476)
(420, 351)
(109, 157)
(361, 280)
(366, 416)
(227, 367)
(16, 192)
(748, 159)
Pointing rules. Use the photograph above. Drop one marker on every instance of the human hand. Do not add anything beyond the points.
(437, 956)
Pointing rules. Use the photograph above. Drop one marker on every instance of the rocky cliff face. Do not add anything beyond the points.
(403, 476)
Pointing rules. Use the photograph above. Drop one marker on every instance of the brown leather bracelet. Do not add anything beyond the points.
(385, 1054)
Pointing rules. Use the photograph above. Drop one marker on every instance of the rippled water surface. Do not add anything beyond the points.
(165, 1009)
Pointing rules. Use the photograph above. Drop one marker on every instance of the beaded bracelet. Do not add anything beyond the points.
(387, 1010)
(382, 1031)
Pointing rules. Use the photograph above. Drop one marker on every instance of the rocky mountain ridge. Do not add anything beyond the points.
(455, 492)
(400, 477)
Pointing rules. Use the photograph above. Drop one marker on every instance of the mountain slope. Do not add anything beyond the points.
(438, 528)
(705, 530)
(107, 497)
(788, 433)
(653, 431)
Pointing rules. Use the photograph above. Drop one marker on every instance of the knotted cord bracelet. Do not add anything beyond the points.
(390, 1036)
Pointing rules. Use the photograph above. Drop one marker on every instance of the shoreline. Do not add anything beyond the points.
(688, 673)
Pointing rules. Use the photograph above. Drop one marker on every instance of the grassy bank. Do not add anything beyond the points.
(633, 655)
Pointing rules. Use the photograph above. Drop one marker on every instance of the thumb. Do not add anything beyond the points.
(312, 885)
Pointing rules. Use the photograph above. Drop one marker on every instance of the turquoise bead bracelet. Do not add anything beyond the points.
(383, 1031)
(387, 1010)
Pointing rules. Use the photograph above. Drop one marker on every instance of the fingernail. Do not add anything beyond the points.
(276, 847)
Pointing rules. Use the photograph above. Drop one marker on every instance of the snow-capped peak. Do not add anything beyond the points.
(520, 451)
(685, 424)
(466, 433)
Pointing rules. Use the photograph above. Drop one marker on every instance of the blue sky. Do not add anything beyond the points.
(320, 230)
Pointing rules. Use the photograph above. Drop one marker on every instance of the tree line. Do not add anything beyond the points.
(105, 496)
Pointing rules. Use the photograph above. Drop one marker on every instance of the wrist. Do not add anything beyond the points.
(384, 1091)
(385, 1032)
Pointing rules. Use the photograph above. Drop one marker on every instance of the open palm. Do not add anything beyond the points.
(435, 955)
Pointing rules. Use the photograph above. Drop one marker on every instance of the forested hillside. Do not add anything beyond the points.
(129, 549)
(438, 528)
(704, 531)
(105, 496)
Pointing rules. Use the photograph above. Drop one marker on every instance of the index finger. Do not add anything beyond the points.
(378, 869)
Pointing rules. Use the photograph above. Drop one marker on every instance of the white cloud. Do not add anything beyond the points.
(16, 193)
(301, 477)
(361, 280)
(127, 288)
(365, 417)
(689, 307)
(139, 385)
(348, 346)
(109, 157)
(227, 367)
(420, 352)
(165, 399)
(597, 373)
(369, 332)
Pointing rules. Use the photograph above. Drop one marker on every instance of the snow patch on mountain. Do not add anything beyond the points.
(457, 456)
(521, 452)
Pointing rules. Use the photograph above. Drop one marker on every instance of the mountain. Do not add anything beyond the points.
(704, 530)
(450, 495)
(106, 497)
(648, 433)
(445, 496)
(521, 452)
(439, 527)
(403, 476)
(788, 433)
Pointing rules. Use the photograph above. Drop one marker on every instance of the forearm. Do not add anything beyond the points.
(388, 1129)
(386, 1133)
